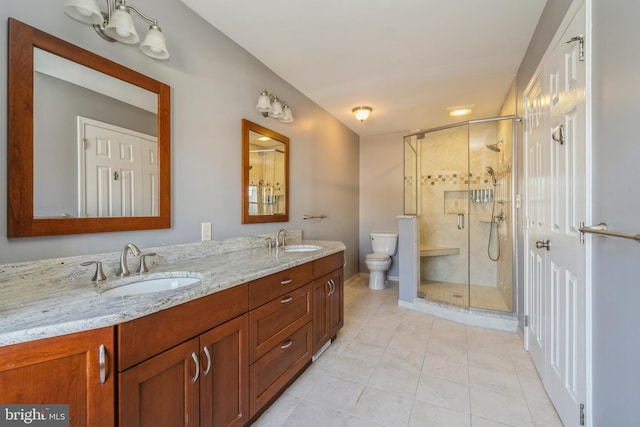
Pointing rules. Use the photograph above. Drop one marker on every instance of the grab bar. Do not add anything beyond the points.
(313, 216)
(601, 229)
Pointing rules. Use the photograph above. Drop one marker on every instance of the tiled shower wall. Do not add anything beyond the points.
(442, 182)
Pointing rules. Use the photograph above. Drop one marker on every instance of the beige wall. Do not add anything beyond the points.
(381, 189)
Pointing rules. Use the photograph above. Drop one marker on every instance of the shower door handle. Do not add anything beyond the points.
(460, 221)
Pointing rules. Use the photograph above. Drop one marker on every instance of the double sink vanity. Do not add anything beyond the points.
(211, 335)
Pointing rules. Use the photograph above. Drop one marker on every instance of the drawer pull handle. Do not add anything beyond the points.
(206, 352)
(101, 362)
(286, 300)
(286, 344)
(286, 282)
(194, 356)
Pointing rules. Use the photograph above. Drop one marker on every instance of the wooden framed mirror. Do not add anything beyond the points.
(53, 188)
(265, 175)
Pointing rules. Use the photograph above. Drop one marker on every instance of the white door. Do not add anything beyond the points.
(534, 155)
(566, 368)
(118, 173)
(556, 262)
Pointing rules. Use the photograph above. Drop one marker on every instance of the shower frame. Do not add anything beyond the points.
(512, 194)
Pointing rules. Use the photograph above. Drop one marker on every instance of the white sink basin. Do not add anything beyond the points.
(151, 285)
(302, 248)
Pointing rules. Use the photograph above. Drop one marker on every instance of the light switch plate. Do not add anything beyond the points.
(206, 231)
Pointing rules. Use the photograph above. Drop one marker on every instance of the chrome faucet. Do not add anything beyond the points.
(124, 268)
(284, 233)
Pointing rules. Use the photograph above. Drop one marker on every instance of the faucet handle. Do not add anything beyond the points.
(142, 268)
(269, 242)
(99, 275)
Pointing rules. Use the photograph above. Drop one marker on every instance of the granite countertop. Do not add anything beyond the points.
(49, 298)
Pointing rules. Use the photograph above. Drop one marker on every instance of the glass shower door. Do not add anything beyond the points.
(444, 215)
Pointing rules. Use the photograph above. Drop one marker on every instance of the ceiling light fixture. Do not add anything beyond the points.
(362, 113)
(270, 106)
(117, 24)
(461, 110)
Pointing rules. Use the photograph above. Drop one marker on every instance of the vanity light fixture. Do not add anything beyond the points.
(270, 106)
(362, 113)
(117, 24)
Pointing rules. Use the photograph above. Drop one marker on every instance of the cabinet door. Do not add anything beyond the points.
(321, 325)
(336, 299)
(162, 391)
(224, 377)
(63, 370)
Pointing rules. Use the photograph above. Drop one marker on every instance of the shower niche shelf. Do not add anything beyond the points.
(429, 251)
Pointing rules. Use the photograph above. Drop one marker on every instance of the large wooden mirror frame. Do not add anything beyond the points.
(21, 222)
(265, 198)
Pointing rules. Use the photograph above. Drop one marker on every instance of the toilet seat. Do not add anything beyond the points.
(377, 257)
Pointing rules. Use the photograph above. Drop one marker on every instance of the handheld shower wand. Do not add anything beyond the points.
(491, 172)
(493, 175)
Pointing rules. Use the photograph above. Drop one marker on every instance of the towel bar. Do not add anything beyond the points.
(601, 229)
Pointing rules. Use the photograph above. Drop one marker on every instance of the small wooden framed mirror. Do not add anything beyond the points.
(265, 175)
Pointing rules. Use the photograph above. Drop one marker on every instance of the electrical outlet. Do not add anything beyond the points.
(206, 231)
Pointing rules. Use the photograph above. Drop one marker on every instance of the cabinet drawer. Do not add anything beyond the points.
(278, 367)
(147, 336)
(263, 290)
(273, 322)
(327, 264)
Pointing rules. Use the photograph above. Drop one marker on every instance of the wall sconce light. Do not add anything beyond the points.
(362, 113)
(117, 24)
(270, 106)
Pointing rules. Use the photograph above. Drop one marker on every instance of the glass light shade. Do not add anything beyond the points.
(120, 26)
(264, 103)
(362, 113)
(276, 109)
(154, 44)
(287, 116)
(85, 11)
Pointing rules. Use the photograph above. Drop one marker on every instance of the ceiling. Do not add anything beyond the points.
(407, 59)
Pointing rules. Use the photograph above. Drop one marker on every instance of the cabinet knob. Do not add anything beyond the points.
(286, 282)
(286, 300)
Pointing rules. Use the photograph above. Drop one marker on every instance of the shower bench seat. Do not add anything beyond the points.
(428, 251)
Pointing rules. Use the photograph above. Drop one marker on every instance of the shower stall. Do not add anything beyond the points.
(459, 185)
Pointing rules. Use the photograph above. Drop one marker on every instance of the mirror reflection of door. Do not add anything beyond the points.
(266, 175)
(118, 171)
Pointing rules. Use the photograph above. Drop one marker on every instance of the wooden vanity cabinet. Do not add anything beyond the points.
(63, 370)
(201, 381)
(328, 299)
(280, 333)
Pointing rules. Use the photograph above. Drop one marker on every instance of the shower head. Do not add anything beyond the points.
(493, 174)
(494, 147)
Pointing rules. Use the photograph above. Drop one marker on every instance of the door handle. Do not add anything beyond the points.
(558, 134)
(543, 244)
(460, 221)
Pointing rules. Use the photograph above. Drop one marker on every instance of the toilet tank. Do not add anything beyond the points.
(384, 243)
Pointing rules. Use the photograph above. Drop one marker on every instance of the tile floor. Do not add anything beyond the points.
(391, 366)
(486, 297)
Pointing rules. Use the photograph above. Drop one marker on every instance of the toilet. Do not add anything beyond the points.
(383, 246)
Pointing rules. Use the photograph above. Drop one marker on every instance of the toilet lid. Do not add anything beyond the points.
(377, 257)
